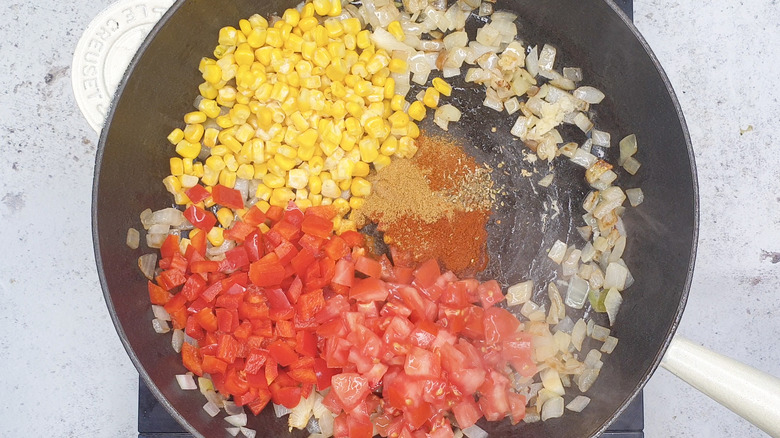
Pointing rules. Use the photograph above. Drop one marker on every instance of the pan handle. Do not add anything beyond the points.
(752, 394)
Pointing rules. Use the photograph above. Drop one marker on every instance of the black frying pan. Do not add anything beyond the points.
(161, 83)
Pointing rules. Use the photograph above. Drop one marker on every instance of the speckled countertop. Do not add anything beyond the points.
(65, 372)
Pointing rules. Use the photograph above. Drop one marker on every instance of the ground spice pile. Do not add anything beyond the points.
(435, 205)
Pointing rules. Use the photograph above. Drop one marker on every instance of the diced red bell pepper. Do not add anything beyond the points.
(264, 273)
(213, 365)
(227, 197)
(170, 246)
(200, 218)
(191, 359)
(317, 226)
(197, 193)
(158, 295)
(254, 216)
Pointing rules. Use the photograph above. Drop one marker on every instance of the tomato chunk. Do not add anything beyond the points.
(350, 388)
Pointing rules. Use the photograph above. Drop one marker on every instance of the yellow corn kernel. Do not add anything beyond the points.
(351, 26)
(322, 7)
(177, 166)
(172, 184)
(396, 30)
(360, 187)
(231, 163)
(416, 110)
(344, 184)
(315, 185)
(342, 206)
(256, 38)
(281, 197)
(356, 203)
(263, 192)
(361, 169)
(335, 8)
(350, 42)
(273, 181)
(389, 146)
(245, 26)
(321, 37)
(244, 132)
(176, 136)
(366, 54)
(208, 90)
(321, 57)
(315, 199)
(219, 150)
(397, 103)
(194, 117)
(215, 162)
(227, 178)
(334, 28)
(244, 55)
(363, 39)
(193, 133)
(431, 97)
(381, 162)
(285, 163)
(353, 126)
(225, 217)
(188, 181)
(413, 130)
(442, 86)
(212, 74)
(307, 138)
(399, 119)
(209, 108)
(369, 149)
(187, 149)
(263, 55)
(228, 36)
(245, 171)
(398, 65)
(210, 176)
(316, 164)
(273, 37)
(187, 164)
(377, 62)
(215, 236)
(297, 178)
(291, 16)
(407, 147)
(307, 24)
(197, 169)
(294, 43)
(375, 127)
(287, 151)
(330, 188)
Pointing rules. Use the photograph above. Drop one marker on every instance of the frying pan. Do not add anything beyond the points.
(159, 87)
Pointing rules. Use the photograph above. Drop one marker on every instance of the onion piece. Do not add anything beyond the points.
(585, 380)
(233, 431)
(578, 334)
(532, 62)
(281, 411)
(635, 196)
(177, 339)
(552, 381)
(557, 252)
(186, 382)
(631, 165)
(547, 57)
(133, 238)
(547, 180)
(599, 333)
(519, 293)
(615, 276)
(612, 303)
(160, 326)
(589, 94)
(211, 409)
(238, 420)
(628, 147)
(248, 433)
(552, 408)
(160, 313)
(609, 345)
(147, 263)
(578, 403)
(600, 138)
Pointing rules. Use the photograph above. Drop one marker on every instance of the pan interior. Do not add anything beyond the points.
(160, 86)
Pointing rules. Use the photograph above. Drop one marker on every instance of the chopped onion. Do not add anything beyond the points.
(589, 94)
(578, 334)
(572, 73)
(160, 326)
(582, 122)
(155, 240)
(232, 409)
(474, 431)
(532, 62)
(609, 345)
(570, 265)
(248, 433)
(577, 293)
(211, 409)
(529, 307)
(326, 423)
(631, 165)
(233, 431)
(281, 411)
(586, 379)
(552, 408)
(177, 339)
(612, 303)
(300, 414)
(615, 276)
(547, 58)
(635, 196)
(600, 138)
(578, 404)
(563, 340)
(628, 147)
(238, 420)
(566, 325)
(160, 313)
(448, 112)
(531, 415)
(485, 9)
(186, 382)
(599, 333)
(519, 293)
(584, 158)
(455, 40)
(552, 381)
(557, 252)
(133, 238)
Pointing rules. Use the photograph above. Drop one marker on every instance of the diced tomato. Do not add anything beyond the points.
(200, 218)
(490, 293)
(353, 238)
(227, 197)
(368, 289)
(422, 363)
(516, 406)
(493, 400)
(427, 273)
(336, 248)
(467, 412)
(518, 353)
(499, 324)
(350, 388)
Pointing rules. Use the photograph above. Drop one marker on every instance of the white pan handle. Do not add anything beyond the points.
(750, 393)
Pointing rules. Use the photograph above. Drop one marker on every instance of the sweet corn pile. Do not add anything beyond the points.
(303, 107)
